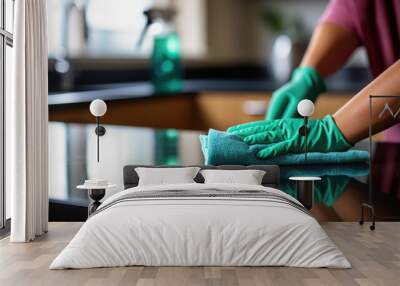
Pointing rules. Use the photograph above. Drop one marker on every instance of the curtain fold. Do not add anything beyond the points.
(26, 123)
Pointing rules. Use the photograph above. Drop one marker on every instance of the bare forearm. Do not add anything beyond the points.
(353, 118)
(329, 49)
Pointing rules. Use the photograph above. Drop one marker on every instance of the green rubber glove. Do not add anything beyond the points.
(329, 189)
(282, 136)
(305, 83)
(326, 191)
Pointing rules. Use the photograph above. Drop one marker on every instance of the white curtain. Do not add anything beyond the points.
(26, 123)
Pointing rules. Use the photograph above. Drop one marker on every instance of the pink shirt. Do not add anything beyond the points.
(376, 24)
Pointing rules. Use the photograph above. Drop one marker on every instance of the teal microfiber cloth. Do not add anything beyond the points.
(220, 148)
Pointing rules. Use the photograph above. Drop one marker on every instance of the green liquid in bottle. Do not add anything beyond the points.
(166, 64)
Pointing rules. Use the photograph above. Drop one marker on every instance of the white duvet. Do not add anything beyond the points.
(193, 231)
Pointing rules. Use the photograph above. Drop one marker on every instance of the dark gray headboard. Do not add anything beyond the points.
(271, 177)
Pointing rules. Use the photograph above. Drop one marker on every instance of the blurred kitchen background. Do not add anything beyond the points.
(188, 64)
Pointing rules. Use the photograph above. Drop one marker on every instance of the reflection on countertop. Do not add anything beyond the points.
(338, 196)
(72, 152)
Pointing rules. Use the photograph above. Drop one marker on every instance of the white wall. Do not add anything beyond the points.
(57, 160)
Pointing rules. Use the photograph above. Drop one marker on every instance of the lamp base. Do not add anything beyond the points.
(100, 130)
(96, 195)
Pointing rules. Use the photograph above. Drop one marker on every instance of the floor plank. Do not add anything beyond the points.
(375, 257)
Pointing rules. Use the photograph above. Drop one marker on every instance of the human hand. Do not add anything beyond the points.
(306, 83)
(282, 136)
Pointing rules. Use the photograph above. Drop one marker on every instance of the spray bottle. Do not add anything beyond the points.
(166, 69)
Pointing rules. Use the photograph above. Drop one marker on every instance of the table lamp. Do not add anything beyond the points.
(98, 108)
(305, 108)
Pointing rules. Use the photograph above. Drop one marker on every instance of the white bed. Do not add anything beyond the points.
(205, 230)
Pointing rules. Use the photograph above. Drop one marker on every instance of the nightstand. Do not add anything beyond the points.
(96, 194)
(305, 190)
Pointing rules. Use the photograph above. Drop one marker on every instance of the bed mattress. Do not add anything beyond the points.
(201, 225)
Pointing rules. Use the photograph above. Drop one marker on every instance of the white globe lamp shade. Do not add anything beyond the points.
(98, 107)
(305, 107)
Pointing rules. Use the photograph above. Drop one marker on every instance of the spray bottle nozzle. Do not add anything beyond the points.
(167, 14)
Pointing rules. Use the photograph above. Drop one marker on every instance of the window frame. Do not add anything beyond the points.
(6, 39)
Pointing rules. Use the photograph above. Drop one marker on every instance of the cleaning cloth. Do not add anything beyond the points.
(220, 148)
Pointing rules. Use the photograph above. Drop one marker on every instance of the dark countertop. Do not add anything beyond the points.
(145, 89)
(86, 82)
(119, 91)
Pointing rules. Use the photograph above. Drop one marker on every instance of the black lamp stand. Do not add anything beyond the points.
(303, 131)
(100, 131)
(96, 195)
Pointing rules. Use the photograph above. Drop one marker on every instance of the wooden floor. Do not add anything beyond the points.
(375, 257)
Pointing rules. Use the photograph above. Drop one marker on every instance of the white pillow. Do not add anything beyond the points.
(165, 176)
(248, 177)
